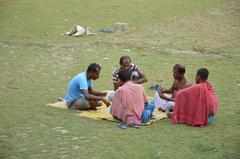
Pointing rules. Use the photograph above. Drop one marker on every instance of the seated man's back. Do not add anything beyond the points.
(128, 103)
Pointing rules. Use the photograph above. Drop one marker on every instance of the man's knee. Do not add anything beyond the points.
(169, 106)
(146, 116)
(149, 106)
(80, 104)
(93, 103)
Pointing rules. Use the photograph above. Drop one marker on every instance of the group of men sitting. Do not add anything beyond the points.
(194, 105)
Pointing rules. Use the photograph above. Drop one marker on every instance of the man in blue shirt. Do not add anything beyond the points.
(80, 94)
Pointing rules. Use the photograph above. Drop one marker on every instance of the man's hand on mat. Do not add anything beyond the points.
(106, 102)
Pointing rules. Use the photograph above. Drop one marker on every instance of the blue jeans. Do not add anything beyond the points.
(147, 113)
(210, 118)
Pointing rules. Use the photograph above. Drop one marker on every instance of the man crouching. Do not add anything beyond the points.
(80, 94)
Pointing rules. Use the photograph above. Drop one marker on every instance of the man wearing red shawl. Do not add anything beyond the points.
(196, 105)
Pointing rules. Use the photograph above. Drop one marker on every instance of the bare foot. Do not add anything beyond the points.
(170, 115)
(160, 109)
(99, 104)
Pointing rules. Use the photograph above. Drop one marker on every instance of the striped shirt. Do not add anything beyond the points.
(132, 68)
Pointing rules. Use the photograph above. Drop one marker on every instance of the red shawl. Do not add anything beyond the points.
(194, 104)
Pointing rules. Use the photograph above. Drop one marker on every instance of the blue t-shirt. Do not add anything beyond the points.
(76, 87)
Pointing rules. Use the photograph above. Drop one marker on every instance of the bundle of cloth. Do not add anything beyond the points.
(78, 30)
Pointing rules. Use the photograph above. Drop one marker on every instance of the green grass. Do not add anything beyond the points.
(36, 68)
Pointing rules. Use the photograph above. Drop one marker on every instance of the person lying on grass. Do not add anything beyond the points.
(125, 63)
(80, 94)
(164, 98)
(198, 104)
(130, 103)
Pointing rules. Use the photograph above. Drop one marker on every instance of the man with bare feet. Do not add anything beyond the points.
(80, 94)
(165, 98)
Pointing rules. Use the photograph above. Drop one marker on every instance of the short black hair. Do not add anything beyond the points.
(93, 67)
(124, 75)
(203, 73)
(123, 58)
(180, 68)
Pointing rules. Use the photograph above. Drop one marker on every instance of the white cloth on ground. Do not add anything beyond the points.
(78, 30)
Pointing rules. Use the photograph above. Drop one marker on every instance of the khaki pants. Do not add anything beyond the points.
(80, 104)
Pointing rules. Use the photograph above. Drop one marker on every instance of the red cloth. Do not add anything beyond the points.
(194, 104)
(128, 103)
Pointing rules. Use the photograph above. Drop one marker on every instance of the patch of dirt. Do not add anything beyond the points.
(9, 44)
(190, 53)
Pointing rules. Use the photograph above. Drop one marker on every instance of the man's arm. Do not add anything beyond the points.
(165, 97)
(142, 78)
(93, 97)
(167, 91)
(115, 85)
(91, 91)
(115, 79)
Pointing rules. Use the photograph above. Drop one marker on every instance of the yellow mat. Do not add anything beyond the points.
(102, 113)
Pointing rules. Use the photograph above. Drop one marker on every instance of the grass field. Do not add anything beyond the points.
(36, 64)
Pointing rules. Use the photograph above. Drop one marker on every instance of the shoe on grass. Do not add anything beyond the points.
(123, 125)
